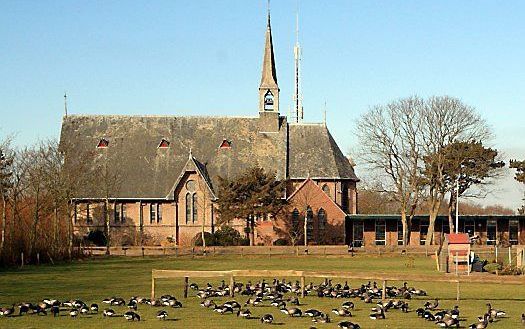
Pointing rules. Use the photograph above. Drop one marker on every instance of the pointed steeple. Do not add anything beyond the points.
(268, 89)
(269, 74)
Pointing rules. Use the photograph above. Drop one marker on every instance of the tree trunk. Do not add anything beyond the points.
(108, 228)
(4, 221)
(405, 227)
(252, 231)
(434, 206)
(451, 210)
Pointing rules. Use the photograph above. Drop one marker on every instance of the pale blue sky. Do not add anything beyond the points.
(204, 57)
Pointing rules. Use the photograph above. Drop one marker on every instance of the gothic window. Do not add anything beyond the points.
(103, 143)
(268, 101)
(123, 212)
(321, 217)
(164, 143)
(225, 144)
(188, 208)
(190, 185)
(326, 189)
(295, 219)
(159, 213)
(194, 206)
(309, 224)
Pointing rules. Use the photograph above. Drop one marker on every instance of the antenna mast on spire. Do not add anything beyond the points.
(65, 104)
(297, 97)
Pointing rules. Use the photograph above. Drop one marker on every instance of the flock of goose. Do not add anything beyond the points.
(281, 295)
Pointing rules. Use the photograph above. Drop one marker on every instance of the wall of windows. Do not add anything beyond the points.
(492, 231)
(514, 225)
(358, 233)
(399, 233)
(423, 231)
(380, 232)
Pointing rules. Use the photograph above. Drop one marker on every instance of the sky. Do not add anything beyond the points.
(204, 58)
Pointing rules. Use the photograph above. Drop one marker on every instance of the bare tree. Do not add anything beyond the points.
(6, 174)
(445, 120)
(388, 135)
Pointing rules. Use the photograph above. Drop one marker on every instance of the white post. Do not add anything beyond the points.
(510, 256)
(457, 205)
(305, 229)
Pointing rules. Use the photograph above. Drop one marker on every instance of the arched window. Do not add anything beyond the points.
(188, 207)
(295, 219)
(321, 216)
(309, 224)
(268, 101)
(194, 206)
(326, 189)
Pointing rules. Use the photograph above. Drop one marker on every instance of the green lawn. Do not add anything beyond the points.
(95, 279)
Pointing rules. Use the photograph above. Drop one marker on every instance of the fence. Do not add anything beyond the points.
(382, 277)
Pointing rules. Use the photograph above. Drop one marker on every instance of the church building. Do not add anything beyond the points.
(160, 173)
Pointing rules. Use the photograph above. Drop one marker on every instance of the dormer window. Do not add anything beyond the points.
(103, 143)
(226, 144)
(164, 144)
(268, 101)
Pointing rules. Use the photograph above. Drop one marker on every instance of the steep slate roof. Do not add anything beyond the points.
(314, 153)
(146, 171)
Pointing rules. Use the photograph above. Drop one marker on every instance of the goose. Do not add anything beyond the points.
(175, 303)
(244, 313)
(253, 301)
(109, 312)
(8, 311)
(208, 303)
(118, 302)
(432, 305)
(278, 303)
(348, 305)
(194, 286)
(132, 305)
(267, 318)
(313, 313)
(23, 309)
(341, 312)
(233, 304)
(94, 308)
(294, 300)
(324, 318)
(55, 310)
(84, 310)
(448, 322)
(454, 313)
(223, 309)
(348, 325)
(73, 313)
(378, 315)
(523, 318)
(131, 316)
(294, 311)
(162, 315)
(480, 325)
(493, 313)
(105, 300)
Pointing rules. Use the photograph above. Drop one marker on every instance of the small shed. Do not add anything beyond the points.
(458, 252)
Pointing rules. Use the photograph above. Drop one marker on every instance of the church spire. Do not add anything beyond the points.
(269, 74)
(268, 89)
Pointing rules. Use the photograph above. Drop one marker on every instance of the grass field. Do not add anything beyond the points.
(95, 279)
